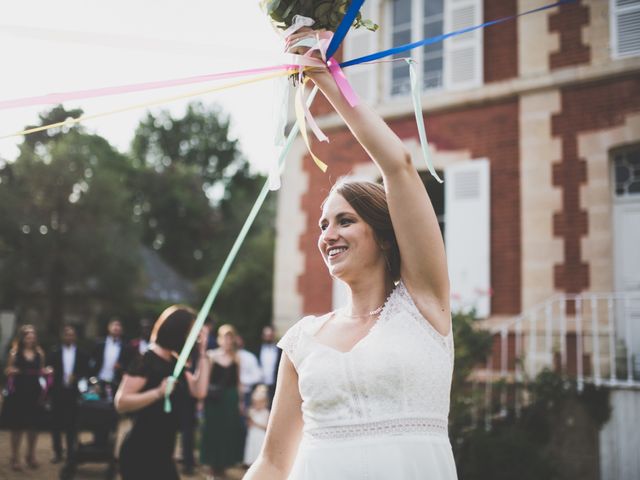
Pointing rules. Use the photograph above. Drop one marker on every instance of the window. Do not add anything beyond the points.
(626, 172)
(625, 27)
(432, 55)
(454, 63)
(401, 34)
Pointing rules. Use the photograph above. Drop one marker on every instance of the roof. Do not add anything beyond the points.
(163, 282)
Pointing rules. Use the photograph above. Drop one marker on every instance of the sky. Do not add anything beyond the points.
(48, 47)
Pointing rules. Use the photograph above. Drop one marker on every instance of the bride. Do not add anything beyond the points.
(363, 392)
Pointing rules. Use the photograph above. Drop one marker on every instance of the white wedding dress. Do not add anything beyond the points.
(379, 411)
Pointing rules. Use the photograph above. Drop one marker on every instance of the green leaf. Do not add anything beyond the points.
(369, 25)
(289, 9)
(322, 10)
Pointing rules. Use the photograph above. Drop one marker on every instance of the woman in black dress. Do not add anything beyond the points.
(147, 450)
(23, 407)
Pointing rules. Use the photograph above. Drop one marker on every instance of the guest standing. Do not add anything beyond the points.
(250, 372)
(257, 420)
(221, 441)
(109, 355)
(107, 362)
(69, 365)
(22, 410)
(147, 450)
(269, 357)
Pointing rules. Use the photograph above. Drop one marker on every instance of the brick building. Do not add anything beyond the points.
(535, 126)
(527, 121)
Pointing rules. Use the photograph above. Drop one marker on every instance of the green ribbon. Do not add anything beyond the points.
(217, 284)
(417, 108)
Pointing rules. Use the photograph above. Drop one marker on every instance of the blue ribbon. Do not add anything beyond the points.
(344, 27)
(440, 38)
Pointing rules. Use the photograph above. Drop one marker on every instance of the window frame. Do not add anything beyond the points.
(416, 53)
(614, 10)
(417, 26)
(615, 197)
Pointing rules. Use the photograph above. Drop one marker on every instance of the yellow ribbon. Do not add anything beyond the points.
(73, 121)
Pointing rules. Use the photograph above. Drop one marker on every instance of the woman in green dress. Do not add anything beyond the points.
(221, 444)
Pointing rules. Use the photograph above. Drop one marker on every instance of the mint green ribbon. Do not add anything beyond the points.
(417, 108)
(217, 284)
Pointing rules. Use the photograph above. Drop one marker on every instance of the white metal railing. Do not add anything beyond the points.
(589, 337)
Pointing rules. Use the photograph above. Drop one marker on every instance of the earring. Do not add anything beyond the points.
(386, 259)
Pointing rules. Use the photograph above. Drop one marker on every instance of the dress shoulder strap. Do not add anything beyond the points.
(292, 342)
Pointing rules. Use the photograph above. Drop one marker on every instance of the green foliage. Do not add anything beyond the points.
(245, 299)
(66, 225)
(472, 345)
(198, 142)
(184, 191)
(327, 13)
(175, 217)
(193, 192)
(522, 447)
(551, 392)
(504, 453)
(515, 447)
(187, 170)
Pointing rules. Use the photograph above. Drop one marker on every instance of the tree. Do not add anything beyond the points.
(246, 296)
(195, 190)
(67, 226)
(199, 141)
(185, 166)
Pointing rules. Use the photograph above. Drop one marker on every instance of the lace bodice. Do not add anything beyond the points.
(396, 380)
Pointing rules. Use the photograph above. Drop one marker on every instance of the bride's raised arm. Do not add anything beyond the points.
(423, 262)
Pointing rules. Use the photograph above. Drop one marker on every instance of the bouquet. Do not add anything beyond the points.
(326, 13)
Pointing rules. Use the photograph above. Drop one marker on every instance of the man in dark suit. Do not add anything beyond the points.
(109, 356)
(269, 358)
(69, 364)
(107, 364)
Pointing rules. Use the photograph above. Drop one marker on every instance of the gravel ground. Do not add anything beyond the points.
(48, 471)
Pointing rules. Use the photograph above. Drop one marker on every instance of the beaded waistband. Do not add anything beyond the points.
(400, 426)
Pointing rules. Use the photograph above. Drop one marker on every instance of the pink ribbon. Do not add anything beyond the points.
(54, 98)
(342, 82)
(303, 114)
(323, 39)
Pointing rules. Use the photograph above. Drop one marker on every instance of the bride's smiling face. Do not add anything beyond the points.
(347, 243)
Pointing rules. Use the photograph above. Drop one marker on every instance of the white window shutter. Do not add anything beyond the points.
(340, 294)
(463, 54)
(467, 235)
(358, 43)
(625, 27)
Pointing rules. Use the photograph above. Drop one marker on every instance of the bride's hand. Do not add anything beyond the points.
(303, 33)
(315, 73)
